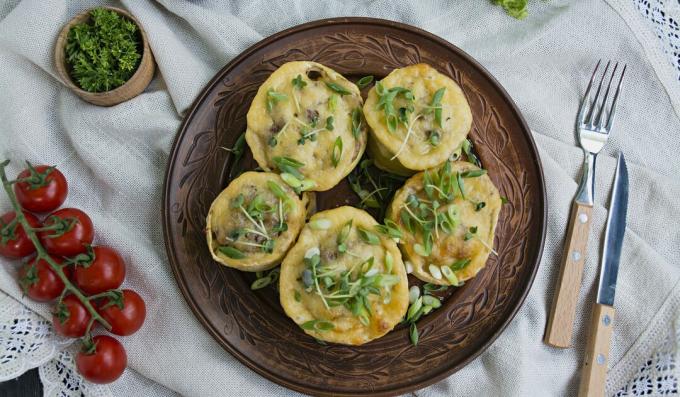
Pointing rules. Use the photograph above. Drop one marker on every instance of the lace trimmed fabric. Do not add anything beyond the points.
(28, 341)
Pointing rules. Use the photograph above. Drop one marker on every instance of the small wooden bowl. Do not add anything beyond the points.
(133, 87)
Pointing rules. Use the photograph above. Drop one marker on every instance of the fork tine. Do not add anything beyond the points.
(598, 119)
(586, 96)
(591, 112)
(610, 119)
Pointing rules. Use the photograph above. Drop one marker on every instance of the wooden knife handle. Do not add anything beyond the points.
(594, 371)
(561, 317)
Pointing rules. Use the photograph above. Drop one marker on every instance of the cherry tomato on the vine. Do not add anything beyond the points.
(71, 317)
(39, 281)
(101, 269)
(127, 315)
(14, 243)
(102, 360)
(44, 188)
(73, 232)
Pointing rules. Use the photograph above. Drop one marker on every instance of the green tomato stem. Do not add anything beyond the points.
(41, 253)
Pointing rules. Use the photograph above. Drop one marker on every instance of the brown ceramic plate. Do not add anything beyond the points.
(251, 324)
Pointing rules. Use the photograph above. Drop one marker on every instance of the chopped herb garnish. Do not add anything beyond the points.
(460, 264)
(336, 152)
(470, 233)
(390, 229)
(273, 98)
(504, 200)
(437, 106)
(289, 165)
(434, 138)
(237, 152)
(356, 122)
(232, 252)
(472, 173)
(264, 280)
(329, 123)
(364, 82)
(468, 149)
(338, 88)
(374, 186)
(480, 205)
(369, 237)
(413, 334)
(298, 82)
(297, 296)
(332, 103)
(317, 325)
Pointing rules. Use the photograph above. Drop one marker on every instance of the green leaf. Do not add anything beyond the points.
(364, 82)
(237, 201)
(344, 232)
(273, 98)
(480, 205)
(317, 325)
(472, 173)
(333, 103)
(470, 233)
(329, 123)
(356, 122)
(261, 283)
(413, 334)
(369, 237)
(231, 252)
(336, 152)
(504, 200)
(338, 88)
(297, 296)
(514, 8)
(289, 165)
(437, 105)
(434, 138)
(460, 264)
(298, 82)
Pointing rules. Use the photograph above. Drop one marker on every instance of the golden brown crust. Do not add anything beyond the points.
(418, 153)
(449, 248)
(305, 111)
(347, 328)
(223, 219)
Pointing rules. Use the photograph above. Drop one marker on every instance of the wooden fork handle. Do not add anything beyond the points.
(594, 371)
(561, 317)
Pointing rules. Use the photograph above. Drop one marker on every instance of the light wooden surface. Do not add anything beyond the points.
(561, 318)
(594, 371)
(133, 87)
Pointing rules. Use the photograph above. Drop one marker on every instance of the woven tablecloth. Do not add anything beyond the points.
(115, 158)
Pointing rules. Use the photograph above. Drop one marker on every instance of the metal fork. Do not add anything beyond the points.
(593, 125)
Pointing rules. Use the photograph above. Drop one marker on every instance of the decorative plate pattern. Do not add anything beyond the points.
(251, 324)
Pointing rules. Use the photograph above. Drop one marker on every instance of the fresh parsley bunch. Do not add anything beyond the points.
(514, 8)
(104, 53)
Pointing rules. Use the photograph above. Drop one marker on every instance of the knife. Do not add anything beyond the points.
(594, 371)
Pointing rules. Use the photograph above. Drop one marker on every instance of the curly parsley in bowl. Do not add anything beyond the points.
(104, 52)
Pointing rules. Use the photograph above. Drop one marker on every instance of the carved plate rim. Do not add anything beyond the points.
(173, 158)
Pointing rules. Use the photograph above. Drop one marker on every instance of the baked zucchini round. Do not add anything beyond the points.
(448, 218)
(254, 221)
(417, 118)
(343, 282)
(306, 122)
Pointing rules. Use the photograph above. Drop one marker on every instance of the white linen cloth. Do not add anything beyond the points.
(114, 159)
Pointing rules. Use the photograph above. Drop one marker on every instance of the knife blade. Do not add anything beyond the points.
(613, 235)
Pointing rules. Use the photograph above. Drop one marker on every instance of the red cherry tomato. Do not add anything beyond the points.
(71, 318)
(104, 272)
(45, 190)
(77, 231)
(39, 281)
(104, 362)
(14, 243)
(125, 320)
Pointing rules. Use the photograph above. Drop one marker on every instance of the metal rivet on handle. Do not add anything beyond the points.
(583, 218)
(600, 359)
(575, 255)
(606, 320)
